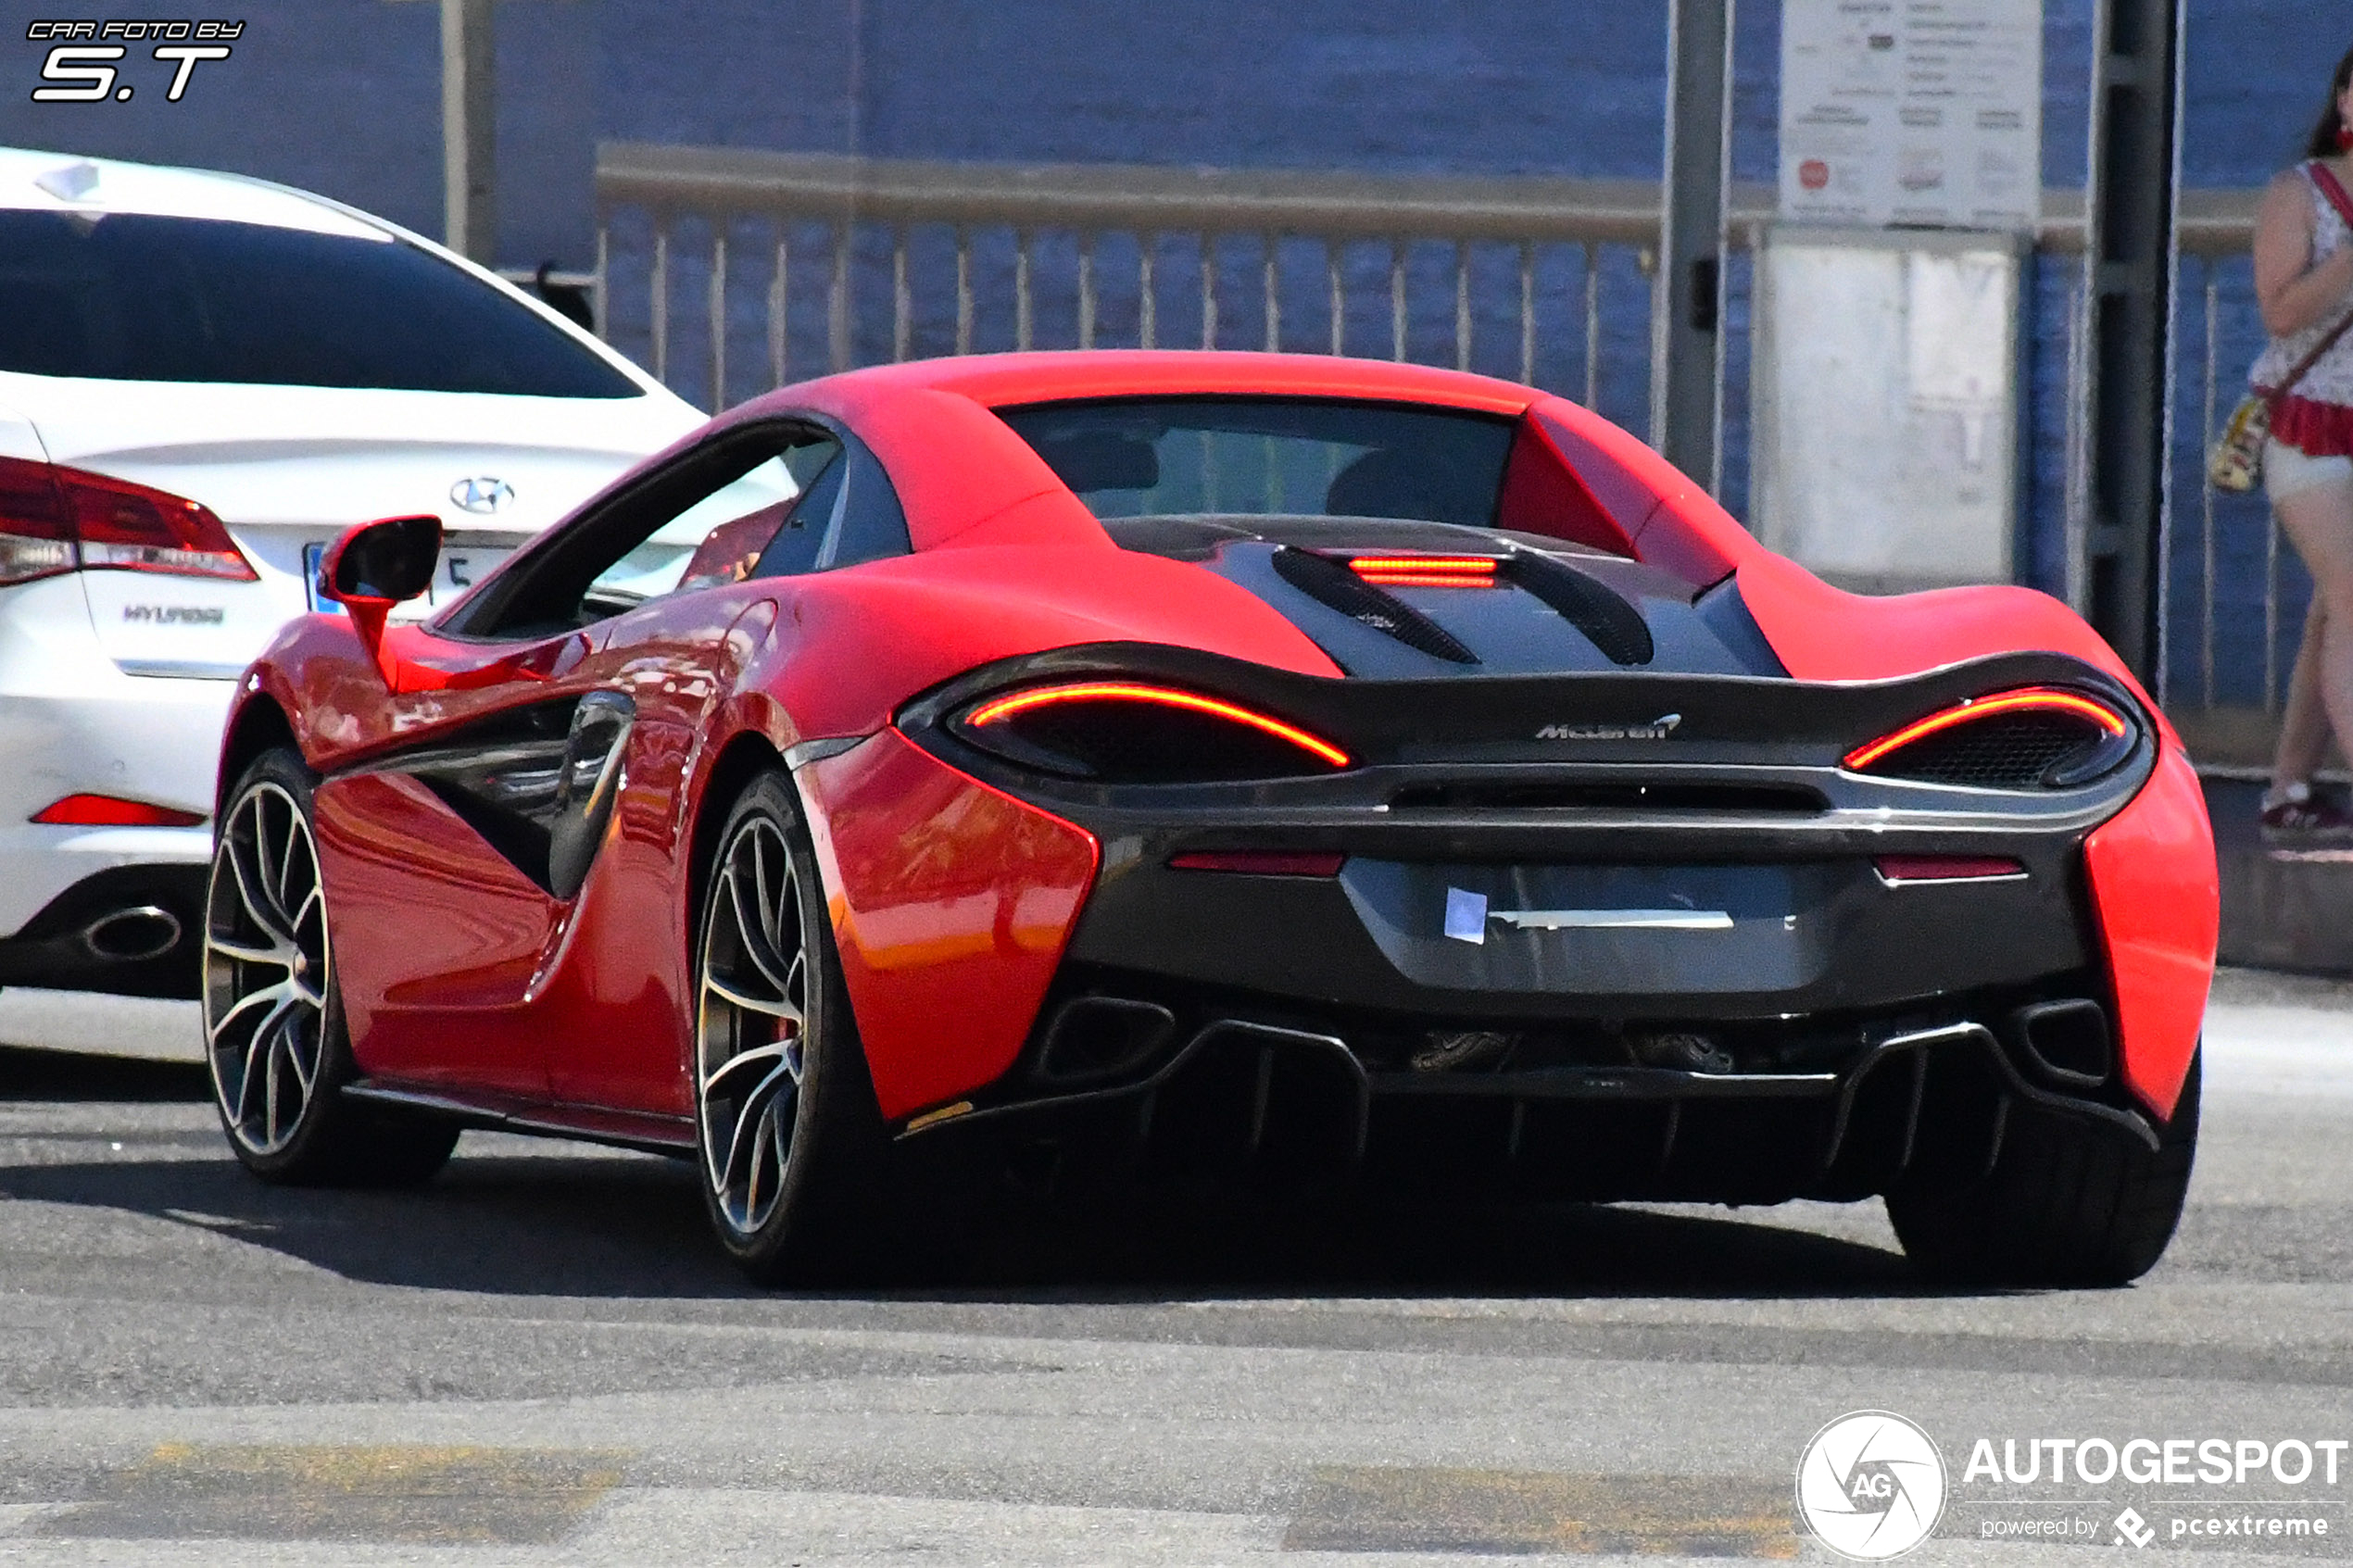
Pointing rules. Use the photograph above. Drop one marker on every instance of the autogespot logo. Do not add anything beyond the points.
(1870, 1485)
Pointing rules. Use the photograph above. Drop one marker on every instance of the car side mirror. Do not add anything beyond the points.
(376, 566)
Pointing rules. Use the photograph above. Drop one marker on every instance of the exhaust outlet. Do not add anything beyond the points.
(128, 936)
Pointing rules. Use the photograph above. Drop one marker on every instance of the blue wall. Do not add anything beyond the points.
(342, 96)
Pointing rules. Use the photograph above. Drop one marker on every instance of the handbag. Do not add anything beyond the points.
(2235, 463)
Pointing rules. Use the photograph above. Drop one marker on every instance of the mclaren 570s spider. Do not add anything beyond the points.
(1243, 768)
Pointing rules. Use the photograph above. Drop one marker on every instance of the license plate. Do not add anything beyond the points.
(314, 555)
(462, 566)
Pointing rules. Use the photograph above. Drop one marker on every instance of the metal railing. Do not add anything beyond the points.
(728, 271)
(825, 261)
(2232, 601)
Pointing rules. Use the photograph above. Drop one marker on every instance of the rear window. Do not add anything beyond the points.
(126, 297)
(1289, 457)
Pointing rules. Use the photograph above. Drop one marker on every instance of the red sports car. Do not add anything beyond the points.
(1281, 768)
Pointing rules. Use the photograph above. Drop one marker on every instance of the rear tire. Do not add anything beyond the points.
(276, 1048)
(2068, 1202)
(794, 1147)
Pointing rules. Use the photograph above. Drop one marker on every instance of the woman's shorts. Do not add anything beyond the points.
(2288, 471)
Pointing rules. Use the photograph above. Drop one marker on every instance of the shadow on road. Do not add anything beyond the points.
(29, 1074)
(587, 1224)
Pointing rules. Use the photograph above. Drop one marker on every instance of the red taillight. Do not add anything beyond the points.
(1261, 862)
(1424, 571)
(2033, 699)
(1005, 708)
(56, 519)
(36, 539)
(1897, 870)
(130, 528)
(108, 811)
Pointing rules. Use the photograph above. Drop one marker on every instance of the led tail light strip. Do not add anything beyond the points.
(1426, 571)
(1006, 708)
(2032, 699)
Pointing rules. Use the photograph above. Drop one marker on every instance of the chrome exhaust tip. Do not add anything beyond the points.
(128, 936)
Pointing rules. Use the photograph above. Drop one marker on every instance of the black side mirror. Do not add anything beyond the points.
(377, 565)
(390, 559)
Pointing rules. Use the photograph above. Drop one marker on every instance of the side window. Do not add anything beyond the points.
(763, 501)
(714, 539)
(794, 546)
(851, 514)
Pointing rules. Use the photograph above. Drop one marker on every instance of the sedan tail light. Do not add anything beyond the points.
(36, 539)
(113, 811)
(55, 519)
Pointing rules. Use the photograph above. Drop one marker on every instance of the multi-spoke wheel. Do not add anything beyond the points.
(784, 1110)
(273, 1025)
(754, 1013)
(266, 967)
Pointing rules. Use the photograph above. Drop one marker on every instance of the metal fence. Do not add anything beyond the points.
(728, 271)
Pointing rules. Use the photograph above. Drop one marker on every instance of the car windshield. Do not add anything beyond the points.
(126, 297)
(1272, 456)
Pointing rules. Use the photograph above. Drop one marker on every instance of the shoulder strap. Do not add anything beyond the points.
(2333, 188)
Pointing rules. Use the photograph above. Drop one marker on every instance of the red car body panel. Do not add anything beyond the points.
(951, 902)
(435, 937)
(2157, 894)
(919, 619)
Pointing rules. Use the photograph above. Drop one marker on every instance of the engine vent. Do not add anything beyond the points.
(1330, 583)
(1596, 610)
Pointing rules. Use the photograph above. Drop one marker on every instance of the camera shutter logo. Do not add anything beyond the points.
(1870, 1485)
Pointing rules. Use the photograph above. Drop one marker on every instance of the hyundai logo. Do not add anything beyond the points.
(483, 495)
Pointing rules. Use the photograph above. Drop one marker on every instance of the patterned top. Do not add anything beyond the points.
(2330, 380)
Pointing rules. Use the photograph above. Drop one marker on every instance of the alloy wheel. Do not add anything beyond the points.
(752, 1022)
(267, 974)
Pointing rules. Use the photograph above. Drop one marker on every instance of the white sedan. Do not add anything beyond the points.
(203, 378)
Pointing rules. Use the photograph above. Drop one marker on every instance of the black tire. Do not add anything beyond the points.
(793, 1147)
(273, 1015)
(2068, 1202)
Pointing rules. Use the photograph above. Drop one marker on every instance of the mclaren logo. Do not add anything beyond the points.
(483, 494)
(1657, 729)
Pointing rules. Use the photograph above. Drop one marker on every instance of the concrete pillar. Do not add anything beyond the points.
(468, 130)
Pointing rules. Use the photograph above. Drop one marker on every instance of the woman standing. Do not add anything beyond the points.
(2304, 283)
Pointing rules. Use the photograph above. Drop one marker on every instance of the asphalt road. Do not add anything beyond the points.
(540, 1359)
